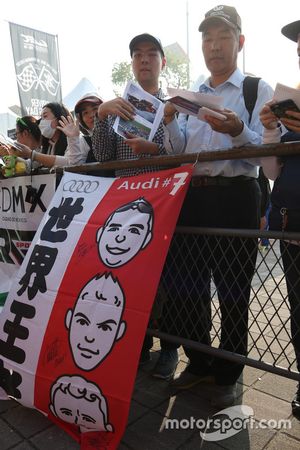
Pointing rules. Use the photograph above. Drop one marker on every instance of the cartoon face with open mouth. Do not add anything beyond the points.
(127, 231)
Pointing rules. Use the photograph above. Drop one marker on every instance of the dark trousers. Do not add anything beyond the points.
(291, 262)
(194, 260)
(164, 345)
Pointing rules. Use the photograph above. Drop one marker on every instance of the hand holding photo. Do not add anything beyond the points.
(148, 114)
(204, 111)
(196, 104)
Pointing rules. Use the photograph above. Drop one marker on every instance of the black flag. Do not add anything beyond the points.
(37, 68)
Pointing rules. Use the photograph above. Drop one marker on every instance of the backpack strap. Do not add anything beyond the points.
(250, 88)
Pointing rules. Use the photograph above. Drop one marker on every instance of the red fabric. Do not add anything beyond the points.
(139, 279)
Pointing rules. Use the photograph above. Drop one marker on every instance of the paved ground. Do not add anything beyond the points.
(268, 395)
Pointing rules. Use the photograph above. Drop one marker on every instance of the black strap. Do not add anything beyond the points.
(250, 88)
(90, 156)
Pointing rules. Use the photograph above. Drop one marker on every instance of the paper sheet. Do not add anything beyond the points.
(149, 112)
(283, 92)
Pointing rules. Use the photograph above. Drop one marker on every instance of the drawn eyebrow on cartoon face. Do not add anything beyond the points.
(106, 324)
(88, 418)
(115, 226)
(84, 320)
(85, 417)
(66, 411)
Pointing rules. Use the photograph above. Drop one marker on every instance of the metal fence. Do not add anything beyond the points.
(269, 335)
(268, 312)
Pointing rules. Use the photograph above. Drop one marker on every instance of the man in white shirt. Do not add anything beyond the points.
(222, 194)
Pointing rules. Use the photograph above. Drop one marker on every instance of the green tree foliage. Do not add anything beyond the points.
(121, 73)
(175, 73)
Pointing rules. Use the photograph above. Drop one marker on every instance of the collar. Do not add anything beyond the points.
(236, 79)
(159, 94)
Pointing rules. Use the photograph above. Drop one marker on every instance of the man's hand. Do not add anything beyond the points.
(292, 124)
(140, 145)
(22, 151)
(118, 107)
(4, 149)
(68, 126)
(267, 118)
(233, 125)
(169, 113)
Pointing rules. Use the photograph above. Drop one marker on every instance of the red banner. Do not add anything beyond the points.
(72, 328)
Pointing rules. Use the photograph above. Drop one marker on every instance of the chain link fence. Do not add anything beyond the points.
(189, 307)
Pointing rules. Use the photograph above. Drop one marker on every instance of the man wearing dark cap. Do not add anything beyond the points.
(222, 194)
(286, 197)
(148, 60)
(145, 37)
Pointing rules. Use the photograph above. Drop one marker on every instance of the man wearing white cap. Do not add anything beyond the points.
(222, 194)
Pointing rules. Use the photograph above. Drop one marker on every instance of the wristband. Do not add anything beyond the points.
(33, 155)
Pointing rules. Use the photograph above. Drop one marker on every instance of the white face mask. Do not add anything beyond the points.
(46, 129)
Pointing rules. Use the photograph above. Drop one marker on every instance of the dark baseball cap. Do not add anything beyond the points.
(227, 14)
(292, 30)
(145, 37)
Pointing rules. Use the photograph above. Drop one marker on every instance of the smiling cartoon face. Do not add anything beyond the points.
(95, 322)
(124, 234)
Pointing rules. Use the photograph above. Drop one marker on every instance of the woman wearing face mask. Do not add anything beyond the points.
(54, 142)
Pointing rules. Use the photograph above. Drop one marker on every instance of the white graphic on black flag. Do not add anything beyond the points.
(29, 79)
(37, 68)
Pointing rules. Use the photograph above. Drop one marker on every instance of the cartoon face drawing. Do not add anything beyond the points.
(80, 402)
(95, 323)
(127, 231)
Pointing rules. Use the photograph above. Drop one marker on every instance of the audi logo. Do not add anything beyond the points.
(82, 186)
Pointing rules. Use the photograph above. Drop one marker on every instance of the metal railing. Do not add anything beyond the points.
(269, 336)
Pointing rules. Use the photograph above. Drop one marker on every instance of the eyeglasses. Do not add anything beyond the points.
(20, 121)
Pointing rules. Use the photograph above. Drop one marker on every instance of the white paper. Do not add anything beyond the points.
(204, 111)
(149, 113)
(191, 103)
(8, 143)
(211, 101)
(283, 92)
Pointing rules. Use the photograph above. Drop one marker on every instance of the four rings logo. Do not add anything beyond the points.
(82, 186)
